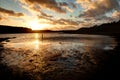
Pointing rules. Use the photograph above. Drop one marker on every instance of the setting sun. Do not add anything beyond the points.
(35, 25)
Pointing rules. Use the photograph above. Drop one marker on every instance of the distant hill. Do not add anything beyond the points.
(13, 29)
(104, 29)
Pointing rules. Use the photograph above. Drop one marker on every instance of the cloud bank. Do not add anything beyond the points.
(95, 8)
(48, 4)
(65, 14)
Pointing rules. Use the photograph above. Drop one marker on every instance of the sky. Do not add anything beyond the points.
(58, 14)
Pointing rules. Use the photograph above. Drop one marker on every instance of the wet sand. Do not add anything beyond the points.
(111, 68)
(94, 67)
(5, 72)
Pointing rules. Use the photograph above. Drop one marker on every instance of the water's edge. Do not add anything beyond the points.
(109, 68)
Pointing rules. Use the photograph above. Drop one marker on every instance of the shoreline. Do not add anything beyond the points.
(6, 39)
(1, 40)
(110, 69)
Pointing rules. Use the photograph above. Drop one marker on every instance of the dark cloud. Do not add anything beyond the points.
(97, 12)
(46, 15)
(73, 5)
(10, 12)
(63, 4)
(67, 6)
(47, 4)
(100, 7)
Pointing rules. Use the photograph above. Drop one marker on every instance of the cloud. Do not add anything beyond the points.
(64, 14)
(45, 15)
(1, 18)
(10, 12)
(67, 6)
(46, 4)
(66, 22)
(73, 5)
(95, 8)
(63, 27)
(59, 24)
(45, 19)
(116, 15)
(68, 9)
(97, 12)
(58, 21)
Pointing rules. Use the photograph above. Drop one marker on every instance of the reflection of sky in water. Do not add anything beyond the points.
(56, 52)
(32, 41)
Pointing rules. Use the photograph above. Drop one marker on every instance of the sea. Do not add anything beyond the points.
(55, 56)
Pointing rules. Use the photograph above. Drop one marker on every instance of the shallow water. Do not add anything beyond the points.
(56, 56)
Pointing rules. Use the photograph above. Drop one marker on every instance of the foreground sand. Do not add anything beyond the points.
(58, 65)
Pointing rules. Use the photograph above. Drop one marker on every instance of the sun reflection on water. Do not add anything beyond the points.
(36, 42)
(36, 36)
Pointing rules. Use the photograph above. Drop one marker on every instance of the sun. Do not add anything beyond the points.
(35, 25)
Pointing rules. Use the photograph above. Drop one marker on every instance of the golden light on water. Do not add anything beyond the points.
(37, 44)
(37, 41)
(36, 36)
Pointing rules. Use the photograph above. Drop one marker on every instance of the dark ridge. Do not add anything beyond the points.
(13, 29)
(43, 31)
(112, 29)
(104, 29)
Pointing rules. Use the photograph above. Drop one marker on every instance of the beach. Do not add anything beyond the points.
(64, 60)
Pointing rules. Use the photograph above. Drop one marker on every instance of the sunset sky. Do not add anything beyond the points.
(58, 14)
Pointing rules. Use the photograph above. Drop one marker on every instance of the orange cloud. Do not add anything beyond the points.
(1, 18)
(116, 15)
